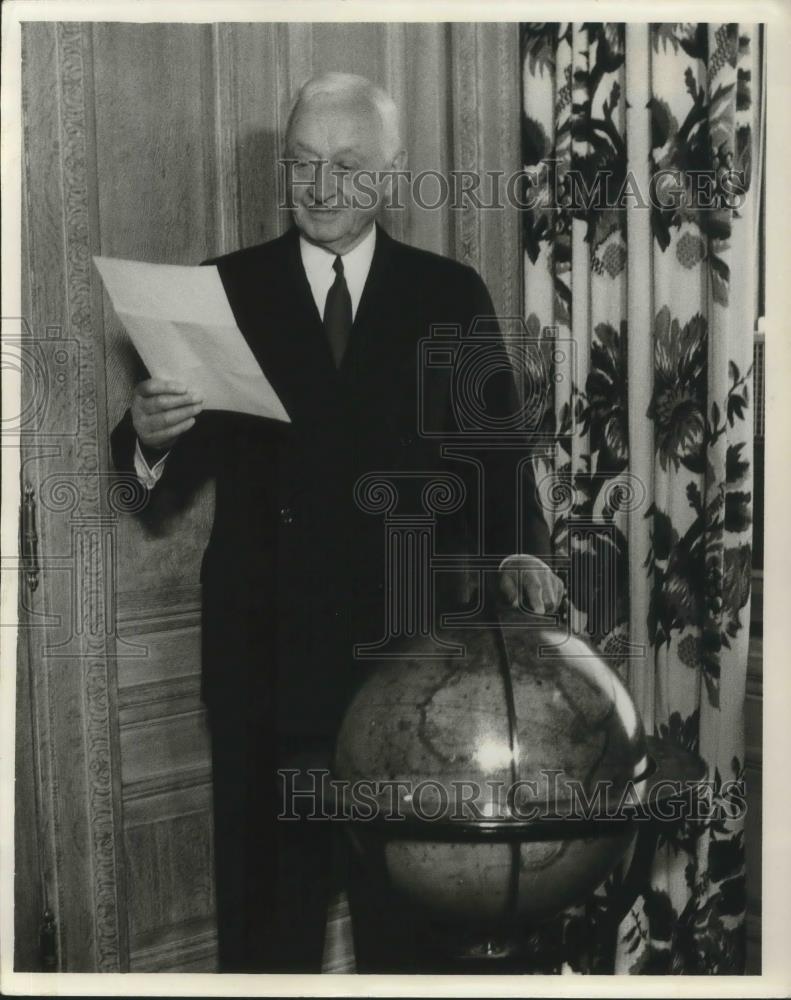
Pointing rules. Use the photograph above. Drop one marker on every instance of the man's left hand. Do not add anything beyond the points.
(527, 580)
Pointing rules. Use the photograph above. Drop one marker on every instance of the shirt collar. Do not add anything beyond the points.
(356, 264)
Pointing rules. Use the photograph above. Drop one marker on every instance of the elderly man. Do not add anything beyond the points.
(293, 575)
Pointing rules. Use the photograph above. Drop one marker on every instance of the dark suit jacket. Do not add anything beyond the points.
(293, 573)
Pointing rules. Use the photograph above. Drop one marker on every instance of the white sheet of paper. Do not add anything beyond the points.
(182, 326)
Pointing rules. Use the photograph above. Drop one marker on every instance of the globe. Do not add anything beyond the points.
(491, 762)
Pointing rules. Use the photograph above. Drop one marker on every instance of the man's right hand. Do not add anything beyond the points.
(162, 410)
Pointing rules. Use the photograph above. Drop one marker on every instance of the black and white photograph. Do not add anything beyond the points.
(389, 487)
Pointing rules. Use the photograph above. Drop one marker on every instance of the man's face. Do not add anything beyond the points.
(346, 133)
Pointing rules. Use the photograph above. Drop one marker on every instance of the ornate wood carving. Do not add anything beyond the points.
(83, 685)
(100, 741)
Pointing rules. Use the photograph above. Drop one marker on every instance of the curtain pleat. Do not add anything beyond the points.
(639, 360)
(649, 304)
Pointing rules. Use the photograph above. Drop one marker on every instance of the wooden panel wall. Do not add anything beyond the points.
(160, 142)
(69, 615)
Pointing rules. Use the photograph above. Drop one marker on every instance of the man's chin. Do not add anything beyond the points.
(335, 231)
(322, 224)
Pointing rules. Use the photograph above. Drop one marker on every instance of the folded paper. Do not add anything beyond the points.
(182, 326)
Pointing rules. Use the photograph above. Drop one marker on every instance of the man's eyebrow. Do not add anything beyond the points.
(306, 149)
(346, 151)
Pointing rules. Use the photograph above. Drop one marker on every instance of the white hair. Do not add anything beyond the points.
(352, 85)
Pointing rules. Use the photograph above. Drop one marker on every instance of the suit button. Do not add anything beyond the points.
(286, 515)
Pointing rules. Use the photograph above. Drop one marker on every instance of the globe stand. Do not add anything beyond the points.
(515, 945)
(520, 947)
(507, 711)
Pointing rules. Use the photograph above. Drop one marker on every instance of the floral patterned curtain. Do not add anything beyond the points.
(649, 298)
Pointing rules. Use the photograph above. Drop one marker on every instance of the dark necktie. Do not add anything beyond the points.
(338, 313)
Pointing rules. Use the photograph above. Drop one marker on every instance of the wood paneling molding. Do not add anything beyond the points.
(195, 952)
(466, 124)
(169, 805)
(167, 782)
(225, 164)
(159, 699)
(160, 610)
(75, 698)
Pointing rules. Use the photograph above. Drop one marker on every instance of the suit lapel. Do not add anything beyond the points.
(274, 307)
(305, 308)
(374, 313)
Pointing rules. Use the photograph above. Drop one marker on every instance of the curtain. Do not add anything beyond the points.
(647, 303)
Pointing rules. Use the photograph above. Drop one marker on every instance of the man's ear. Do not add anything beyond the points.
(399, 161)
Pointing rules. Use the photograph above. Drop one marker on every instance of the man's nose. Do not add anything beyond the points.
(326, 183)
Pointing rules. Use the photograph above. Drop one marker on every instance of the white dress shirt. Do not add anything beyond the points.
(356, 264)
(318, 267)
